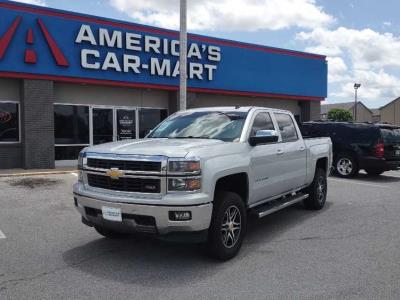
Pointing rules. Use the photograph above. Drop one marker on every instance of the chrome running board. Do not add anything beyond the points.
(278, 204)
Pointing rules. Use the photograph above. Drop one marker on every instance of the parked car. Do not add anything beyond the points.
(372, 147)
(200, 173)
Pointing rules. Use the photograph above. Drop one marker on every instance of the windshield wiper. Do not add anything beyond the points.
(190, 137)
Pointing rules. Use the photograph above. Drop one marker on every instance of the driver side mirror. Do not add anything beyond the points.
(263, 137)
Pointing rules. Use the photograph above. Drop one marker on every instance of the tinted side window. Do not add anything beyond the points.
(262, 121)
(286, 127)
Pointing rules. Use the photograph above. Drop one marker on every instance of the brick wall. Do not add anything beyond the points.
(10, 156)
(37, 112)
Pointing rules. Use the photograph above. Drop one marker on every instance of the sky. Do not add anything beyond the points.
(361, 38)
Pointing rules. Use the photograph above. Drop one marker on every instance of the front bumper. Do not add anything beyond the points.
(142, 218)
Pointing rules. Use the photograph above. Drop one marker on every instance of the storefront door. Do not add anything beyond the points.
(125, 124)
(112, 124)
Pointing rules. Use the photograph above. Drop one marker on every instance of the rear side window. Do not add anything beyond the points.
(262, 121)
(391, 135)
(286, 127)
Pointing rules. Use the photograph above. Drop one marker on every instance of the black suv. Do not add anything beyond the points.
(372, 147)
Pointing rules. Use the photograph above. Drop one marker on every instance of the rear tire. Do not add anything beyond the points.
(228, 226)
(374, 172)
(317, 191)
(111, 234)
(345, 165)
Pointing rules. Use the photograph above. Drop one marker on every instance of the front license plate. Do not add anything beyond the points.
(112, 214)
(397, 152)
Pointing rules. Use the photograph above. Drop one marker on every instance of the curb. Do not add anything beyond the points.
(38, 173)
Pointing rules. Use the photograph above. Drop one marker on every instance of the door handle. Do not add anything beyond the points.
(279, 152)
(302, 148)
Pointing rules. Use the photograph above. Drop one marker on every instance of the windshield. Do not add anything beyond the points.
(225, 126)
(391, 135)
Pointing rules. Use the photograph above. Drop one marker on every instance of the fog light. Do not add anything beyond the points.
(180, 215)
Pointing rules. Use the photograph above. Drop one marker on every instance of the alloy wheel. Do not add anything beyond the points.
(231, 226)
(344, 166)
(321, 189)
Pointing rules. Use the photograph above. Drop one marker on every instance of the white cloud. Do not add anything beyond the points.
(228, 15)
(366, 47)
(387, 24)
(35, 2)
(374, 60)
(375, 86)
(337, 70)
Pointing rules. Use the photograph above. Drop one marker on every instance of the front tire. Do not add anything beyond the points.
(317, 191)
(111, 234)
(228, 226)
(345, 165)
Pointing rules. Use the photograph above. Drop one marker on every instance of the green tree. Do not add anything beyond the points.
(340, 115)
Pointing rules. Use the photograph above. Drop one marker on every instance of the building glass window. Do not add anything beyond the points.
(9, 122)
(71, 124)
(149, 118)
(71, 130)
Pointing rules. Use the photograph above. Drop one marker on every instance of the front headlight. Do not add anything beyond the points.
(81, 158)
(184, 166)
(184, 184)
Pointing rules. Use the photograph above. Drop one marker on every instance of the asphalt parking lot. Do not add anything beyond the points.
(349, 250)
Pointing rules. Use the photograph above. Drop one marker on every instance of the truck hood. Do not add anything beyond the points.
(162, 147)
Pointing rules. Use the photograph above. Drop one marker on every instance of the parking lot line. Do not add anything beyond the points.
(2, 235)
(359, 183)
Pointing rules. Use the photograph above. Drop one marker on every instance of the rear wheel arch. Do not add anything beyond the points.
(322, 163)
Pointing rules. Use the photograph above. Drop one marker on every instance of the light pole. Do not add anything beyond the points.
(356, 87)
(183, 55)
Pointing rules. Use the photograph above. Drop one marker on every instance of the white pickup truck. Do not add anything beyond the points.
(200, 173)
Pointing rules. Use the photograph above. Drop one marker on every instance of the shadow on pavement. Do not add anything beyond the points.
(161, 264)
(378, 179)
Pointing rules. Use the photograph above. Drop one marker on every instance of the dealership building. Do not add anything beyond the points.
(69, 80)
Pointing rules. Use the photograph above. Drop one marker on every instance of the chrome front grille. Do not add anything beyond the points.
(125, 184)
(126, 165)
(126, 174)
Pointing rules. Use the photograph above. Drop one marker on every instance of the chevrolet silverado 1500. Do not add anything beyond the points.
(201, 173)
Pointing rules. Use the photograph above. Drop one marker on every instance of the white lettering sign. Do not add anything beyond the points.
(203, 59)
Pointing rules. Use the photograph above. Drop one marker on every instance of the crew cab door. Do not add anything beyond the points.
(292, 152)
(265, 161)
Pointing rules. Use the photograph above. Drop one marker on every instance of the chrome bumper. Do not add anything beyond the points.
(201, 216)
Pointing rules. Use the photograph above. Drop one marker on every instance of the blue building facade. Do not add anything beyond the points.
(99, 80)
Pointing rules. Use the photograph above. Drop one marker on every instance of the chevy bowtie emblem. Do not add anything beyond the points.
(114, 173)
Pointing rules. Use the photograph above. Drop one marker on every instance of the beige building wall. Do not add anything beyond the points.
(111, 96)
(9, 90)
(391, 113)
(363, 114)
